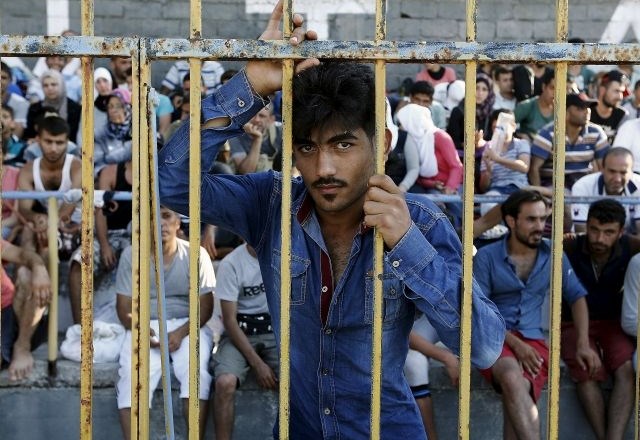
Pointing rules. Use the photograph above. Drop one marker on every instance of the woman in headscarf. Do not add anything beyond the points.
(55, 97)
(113, 142)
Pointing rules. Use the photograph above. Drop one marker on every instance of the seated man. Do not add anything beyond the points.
(248, 341)
(175, 253)
(629, 313)
(615, 179)
(600, 258)
(23, 305)
(514, 273)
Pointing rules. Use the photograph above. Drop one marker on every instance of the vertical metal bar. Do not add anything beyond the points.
(195, 67)
(464, 399)
(559, 135)
(86, 296)
(285, 227)
(52, 235)
(378, 244)
(636, 411)
(142, 387)
(135, 245)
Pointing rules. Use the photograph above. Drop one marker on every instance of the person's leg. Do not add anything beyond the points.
(592, 401)
(508, 432)
(75, 290)
(621, 401)
(202, 417)
(224, 405)
(518, 404)
(28, 314)
(425, 406)
(125, 422)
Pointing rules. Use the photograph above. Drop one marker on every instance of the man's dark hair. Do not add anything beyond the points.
(547, 77)
(607, 211)
(4, 67)
(421, 87)
(8, 109)
(53, 125)
(493, 116)
(186, 77)
(636, 86)
(511, 206)
(501, 70)
(616, 151)
(338, 94)
(227, 75)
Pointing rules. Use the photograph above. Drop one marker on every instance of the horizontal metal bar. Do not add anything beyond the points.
(41, 195)
(390, 51)
(34, 45)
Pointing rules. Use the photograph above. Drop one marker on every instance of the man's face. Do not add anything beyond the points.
(119, 66)
(169, 224)
(54, 147)
(578, 116)
(7, 123)
(51, 88)
(548, 90)
(602, 237)
(336, 165)
(263, 119)
(611, 95)
(616, 172)
(505, 83)
(421, 99)
(528, 227)
(636, 95)
(5, 80)
(185, 109)
(55, 62)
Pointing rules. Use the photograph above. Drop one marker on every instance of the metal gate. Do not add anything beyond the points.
(380, 52)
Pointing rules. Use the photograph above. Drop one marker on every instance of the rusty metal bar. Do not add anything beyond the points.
(390, 51)
(52, 236)
(86, 268)
(464, 400)
(285, 226)
(378, 244)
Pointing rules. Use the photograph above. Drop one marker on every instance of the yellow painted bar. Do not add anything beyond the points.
(378, 244)
(86, 296)
(52, 236)
(553, 396)
(636, 411)
(464, 397)
(285, 226)
(135, 242)
(145, 259)
(194, 252)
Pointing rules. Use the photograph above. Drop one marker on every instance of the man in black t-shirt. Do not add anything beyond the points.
(606, 112)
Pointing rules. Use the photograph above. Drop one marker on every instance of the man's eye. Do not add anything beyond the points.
(343, 145)
(306, 148)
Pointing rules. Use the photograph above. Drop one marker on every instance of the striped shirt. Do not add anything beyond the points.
(591, 144)
(211, 73)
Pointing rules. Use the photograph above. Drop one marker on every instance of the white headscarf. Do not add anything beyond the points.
(60, 103)
(103, 73)
(416, 121)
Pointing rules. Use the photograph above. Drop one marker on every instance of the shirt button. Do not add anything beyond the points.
(240, 103)
(396, 263)
(327, 411)
(327, 331)
(324, 289)
(325, 371)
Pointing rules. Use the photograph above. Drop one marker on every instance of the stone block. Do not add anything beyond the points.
(486, 30)
(441, 29)
(496, 11)
(145, 10)
(110, 9)
(452, 10)
(418, 9)
(514, 30)
(544, 31)
(176, 10)
(578, 12)
(534, 11)
(586, 29)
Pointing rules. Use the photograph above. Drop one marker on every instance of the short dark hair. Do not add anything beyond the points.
(547, 77)
(4, 67)
(186, 77)
(493, 116)
(501, 70)
(636, 86)
(227, 75)
(53, 125)
(607, 211)
(616, 151)
(511, 206)
(8, 109)
(333, 92)
(421, 87)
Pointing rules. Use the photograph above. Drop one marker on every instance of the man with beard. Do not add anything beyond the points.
(600, 259)
(514, 273)
(615, 179)
(606, 112)
(54, 171)
(336, 205)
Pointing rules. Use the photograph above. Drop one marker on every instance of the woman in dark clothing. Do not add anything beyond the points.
(55, 96)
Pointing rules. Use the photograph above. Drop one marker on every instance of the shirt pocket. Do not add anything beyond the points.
(395, 305)
(299, 276)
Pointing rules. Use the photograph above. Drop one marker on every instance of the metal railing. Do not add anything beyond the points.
(379, 51)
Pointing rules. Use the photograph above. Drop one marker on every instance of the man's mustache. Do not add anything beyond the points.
(328, 182)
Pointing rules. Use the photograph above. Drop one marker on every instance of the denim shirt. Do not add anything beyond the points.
(331, 360)
(520, 302)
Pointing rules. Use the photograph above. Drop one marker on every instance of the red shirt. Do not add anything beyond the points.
(450, 170)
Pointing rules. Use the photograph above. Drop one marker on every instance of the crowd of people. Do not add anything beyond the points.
(41, 146)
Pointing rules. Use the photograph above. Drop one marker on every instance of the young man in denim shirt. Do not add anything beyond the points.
(336, 204)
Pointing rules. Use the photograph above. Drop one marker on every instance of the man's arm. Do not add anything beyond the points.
(123, 307)
(264, 374)
(450, 361)
(586, 357)
(249, 163)
(66, 209)
(25, 183)
(106, 182)
(40, 281)
(534, 170)
(206, 309)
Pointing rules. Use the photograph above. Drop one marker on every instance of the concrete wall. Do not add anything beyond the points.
(498, 20)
